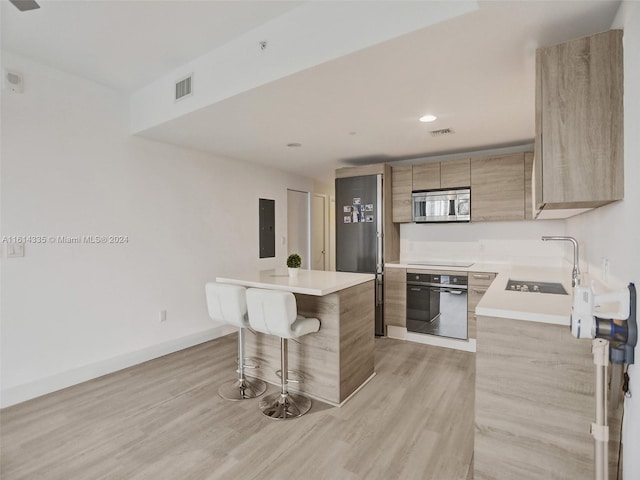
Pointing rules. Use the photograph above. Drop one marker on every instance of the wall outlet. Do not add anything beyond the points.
(163, 316)
(15, 250)
(606, 268)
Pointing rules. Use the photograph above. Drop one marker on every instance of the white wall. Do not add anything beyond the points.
(494, 242)
(70, 167)
(613, 231)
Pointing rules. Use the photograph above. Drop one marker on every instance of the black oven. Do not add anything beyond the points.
(437, 304)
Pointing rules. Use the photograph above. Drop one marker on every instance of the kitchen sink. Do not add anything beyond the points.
(535, 287)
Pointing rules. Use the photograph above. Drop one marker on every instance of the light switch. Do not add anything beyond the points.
(606, 268)
(15, 250)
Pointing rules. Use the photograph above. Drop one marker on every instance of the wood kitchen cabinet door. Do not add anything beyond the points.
(426, 176)
(528, 186)
(579, 122)
(533, 392)
(401, 185)
(455, 173)
(479, 282)
(497, 188)
(395, 297)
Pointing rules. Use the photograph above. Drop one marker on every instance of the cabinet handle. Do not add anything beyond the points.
(482, 276)
(479, 291)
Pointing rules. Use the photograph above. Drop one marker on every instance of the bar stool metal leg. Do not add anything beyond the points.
(284, 405)
(242, 388)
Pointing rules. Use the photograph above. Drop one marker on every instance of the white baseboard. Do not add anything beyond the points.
(27, 391)
(401, 333)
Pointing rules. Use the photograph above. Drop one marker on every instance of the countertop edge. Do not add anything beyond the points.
(319, 292)
(475, 267)
(523, 316)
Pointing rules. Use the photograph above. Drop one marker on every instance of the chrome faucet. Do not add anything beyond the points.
(575, 274)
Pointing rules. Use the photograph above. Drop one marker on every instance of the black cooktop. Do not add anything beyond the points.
(535, 287)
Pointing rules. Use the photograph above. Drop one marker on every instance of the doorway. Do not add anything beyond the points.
(298, 225)
(319, 232)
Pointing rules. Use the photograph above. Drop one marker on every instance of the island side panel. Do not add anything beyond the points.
(534, 402)
(357, 325)
(316, 355)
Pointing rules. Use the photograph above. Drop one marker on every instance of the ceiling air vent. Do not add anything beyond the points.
(184, 87)
(442, 132)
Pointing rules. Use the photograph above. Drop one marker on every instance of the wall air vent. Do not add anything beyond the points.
(442, 132)
(184, 87)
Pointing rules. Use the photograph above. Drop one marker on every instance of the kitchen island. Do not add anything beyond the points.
(336, 361)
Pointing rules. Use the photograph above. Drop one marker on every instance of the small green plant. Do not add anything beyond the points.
(294, 261)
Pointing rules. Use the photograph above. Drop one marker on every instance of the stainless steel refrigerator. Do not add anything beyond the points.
(359, 232)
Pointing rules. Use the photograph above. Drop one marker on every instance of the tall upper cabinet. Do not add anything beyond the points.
(579, 125)
(498, 188)
(402, 184)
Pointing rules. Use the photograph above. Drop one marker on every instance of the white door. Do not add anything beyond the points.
(318, 232)
(298, 225)
(332, 234)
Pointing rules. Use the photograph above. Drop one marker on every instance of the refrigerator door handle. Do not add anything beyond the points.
(379, 225)
(379, 291)
(379, 253)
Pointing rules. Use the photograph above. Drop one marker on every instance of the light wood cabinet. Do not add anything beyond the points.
(449, 174)
(479, 282)
(395, 297)
(579, 123)
(528, 186)
(455, 173)
(374, 169)
(497, 188)
(534, 403)
(426, 176)
(500, 186)
(401, 186)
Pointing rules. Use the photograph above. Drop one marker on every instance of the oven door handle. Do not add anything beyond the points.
(444, 290)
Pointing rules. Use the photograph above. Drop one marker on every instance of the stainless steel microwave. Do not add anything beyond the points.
(442, 206)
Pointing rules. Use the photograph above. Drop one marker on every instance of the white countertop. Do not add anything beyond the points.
(490, 267)
(308, 282)
(527, 306)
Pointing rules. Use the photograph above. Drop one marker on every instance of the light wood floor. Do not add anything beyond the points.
(164, 420)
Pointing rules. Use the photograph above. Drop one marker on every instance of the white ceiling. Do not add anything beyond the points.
(127, 44)
(475, 72)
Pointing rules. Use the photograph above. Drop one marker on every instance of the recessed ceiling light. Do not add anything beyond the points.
(295, 144)
(428, 118)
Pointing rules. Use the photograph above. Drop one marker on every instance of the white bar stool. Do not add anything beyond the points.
(275, 313)
(228, 303)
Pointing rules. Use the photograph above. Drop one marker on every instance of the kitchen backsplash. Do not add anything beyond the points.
(492, 242)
